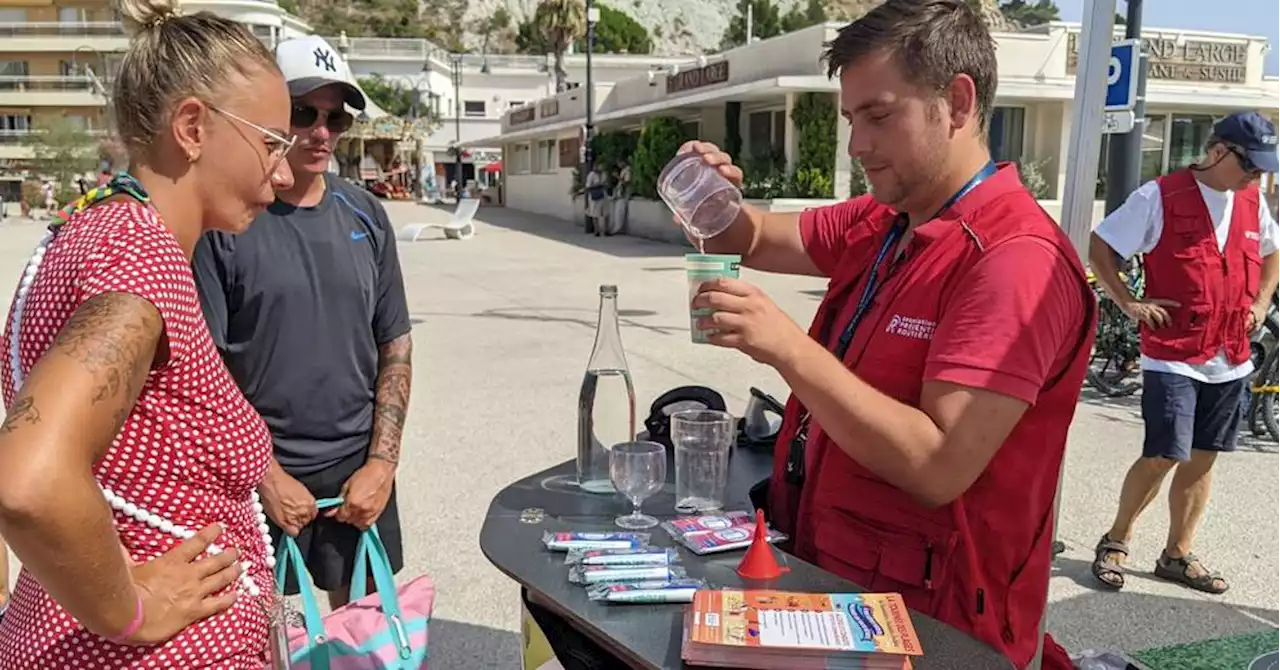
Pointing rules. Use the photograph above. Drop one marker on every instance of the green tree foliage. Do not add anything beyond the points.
(811, 13)
(1023, 13)
(555, 25)
(659, 141)
(63, 152)
(766, 22)
(397, 100)
(617, 33)
(362, 18)
(497, 32)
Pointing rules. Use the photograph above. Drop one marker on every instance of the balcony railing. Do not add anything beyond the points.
(56, 28)
(12, 137)
(50, 84)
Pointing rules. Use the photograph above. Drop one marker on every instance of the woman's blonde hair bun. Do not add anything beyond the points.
(144, 15)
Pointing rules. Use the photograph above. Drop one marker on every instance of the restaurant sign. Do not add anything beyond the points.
(1190, 60)
(714, 73)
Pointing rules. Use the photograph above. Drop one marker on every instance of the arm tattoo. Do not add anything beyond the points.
(24, 411)
(114, 337)
(391, 398)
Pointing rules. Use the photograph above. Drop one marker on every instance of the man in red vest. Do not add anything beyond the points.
(932, 394)
(1210, 262)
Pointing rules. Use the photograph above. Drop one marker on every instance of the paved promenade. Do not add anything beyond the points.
(503, 328)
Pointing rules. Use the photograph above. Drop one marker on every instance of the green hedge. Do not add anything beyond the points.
(813, 175)
(659, 141)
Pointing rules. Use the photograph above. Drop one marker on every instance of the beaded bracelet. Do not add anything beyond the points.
(133, 626)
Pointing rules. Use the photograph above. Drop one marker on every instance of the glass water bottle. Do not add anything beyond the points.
(606, 402)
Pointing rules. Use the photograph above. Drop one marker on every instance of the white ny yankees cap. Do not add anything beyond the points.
(309, 63)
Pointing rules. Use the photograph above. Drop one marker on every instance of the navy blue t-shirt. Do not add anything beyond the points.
(298, 305)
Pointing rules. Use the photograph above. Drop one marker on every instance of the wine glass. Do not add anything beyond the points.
(638, 470)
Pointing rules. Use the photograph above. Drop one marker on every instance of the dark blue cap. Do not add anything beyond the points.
(1253, 133)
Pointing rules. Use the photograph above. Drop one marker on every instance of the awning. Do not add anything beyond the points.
(492, 167)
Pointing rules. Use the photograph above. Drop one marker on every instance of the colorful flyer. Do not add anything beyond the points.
(841, 622)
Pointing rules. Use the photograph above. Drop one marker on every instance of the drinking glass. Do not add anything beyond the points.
(701, 438)
(638, 470)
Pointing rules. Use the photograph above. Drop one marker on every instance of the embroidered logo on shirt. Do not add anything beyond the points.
(1250, 235)
(911, 326)
(357, 236)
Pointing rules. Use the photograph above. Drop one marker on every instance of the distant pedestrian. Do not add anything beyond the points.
(1211, 268)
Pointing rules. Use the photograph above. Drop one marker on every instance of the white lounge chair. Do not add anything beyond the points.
(460, 227)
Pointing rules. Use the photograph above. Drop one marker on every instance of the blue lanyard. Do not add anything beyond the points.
(890, 240)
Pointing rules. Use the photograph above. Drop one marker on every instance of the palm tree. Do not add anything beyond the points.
(559, 23)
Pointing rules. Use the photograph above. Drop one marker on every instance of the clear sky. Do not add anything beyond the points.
(1251, 17)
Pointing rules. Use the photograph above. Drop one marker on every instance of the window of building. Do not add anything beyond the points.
(1187, 136)
(691, 129)
(515, 103)
(1153, 154)
(473, 108)
(766, 131)
(1153, 149)
(13, 15)
(14, 123)
(12, 73)
(545, 160)
(1005, 135)
(520, 159)
(73, 15)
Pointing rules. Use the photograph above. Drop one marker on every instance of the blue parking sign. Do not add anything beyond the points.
(1122, 75)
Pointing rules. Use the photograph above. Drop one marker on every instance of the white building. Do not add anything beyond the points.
(487, 87)
(1194, 77)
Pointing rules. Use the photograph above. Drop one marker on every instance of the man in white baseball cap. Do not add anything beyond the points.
(309, 63)
(308, 310)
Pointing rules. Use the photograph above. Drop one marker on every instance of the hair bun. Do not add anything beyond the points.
(143, 15)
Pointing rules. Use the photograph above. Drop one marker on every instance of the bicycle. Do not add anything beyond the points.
(1116, 342)
(1265, 385)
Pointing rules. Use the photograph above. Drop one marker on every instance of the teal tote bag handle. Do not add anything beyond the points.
(371, 558)
(290, 558)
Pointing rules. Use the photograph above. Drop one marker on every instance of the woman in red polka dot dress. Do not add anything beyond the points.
(128, 458)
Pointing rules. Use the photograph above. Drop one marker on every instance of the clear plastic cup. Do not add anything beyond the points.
(703, 201)
(701, 439)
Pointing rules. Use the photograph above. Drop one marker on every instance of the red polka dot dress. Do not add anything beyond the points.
(193, 449)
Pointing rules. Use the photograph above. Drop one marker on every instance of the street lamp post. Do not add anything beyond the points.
(1124, 152)
(589, 130)
(456, 61)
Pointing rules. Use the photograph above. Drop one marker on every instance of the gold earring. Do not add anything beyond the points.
(192, 156)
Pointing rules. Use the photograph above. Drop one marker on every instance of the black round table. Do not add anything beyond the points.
(649, 636)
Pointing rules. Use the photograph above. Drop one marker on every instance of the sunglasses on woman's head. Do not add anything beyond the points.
(306, 116)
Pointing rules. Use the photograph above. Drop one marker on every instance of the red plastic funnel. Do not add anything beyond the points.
(760, 562)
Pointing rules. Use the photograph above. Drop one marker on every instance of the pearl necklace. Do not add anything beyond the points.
(115, 500)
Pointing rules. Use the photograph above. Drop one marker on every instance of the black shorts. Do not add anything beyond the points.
(1182, 414)
(329, 546)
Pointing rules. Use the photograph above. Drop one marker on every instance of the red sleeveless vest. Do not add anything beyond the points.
(980, 563)
(1215, 288)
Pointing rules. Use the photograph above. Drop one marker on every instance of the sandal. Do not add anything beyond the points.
(1106, 568)
(1190, 571)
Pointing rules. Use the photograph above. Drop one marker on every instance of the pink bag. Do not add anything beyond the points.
(386, 630)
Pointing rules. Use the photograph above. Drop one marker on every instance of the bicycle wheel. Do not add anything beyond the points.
(1113, 368)
(1264, 397)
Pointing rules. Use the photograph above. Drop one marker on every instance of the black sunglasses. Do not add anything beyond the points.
(306, 116)
(1245, 164)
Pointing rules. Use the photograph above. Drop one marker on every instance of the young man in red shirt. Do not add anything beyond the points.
(932, 394)
(1211, 266)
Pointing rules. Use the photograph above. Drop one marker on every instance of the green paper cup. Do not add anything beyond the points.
(702, 268)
